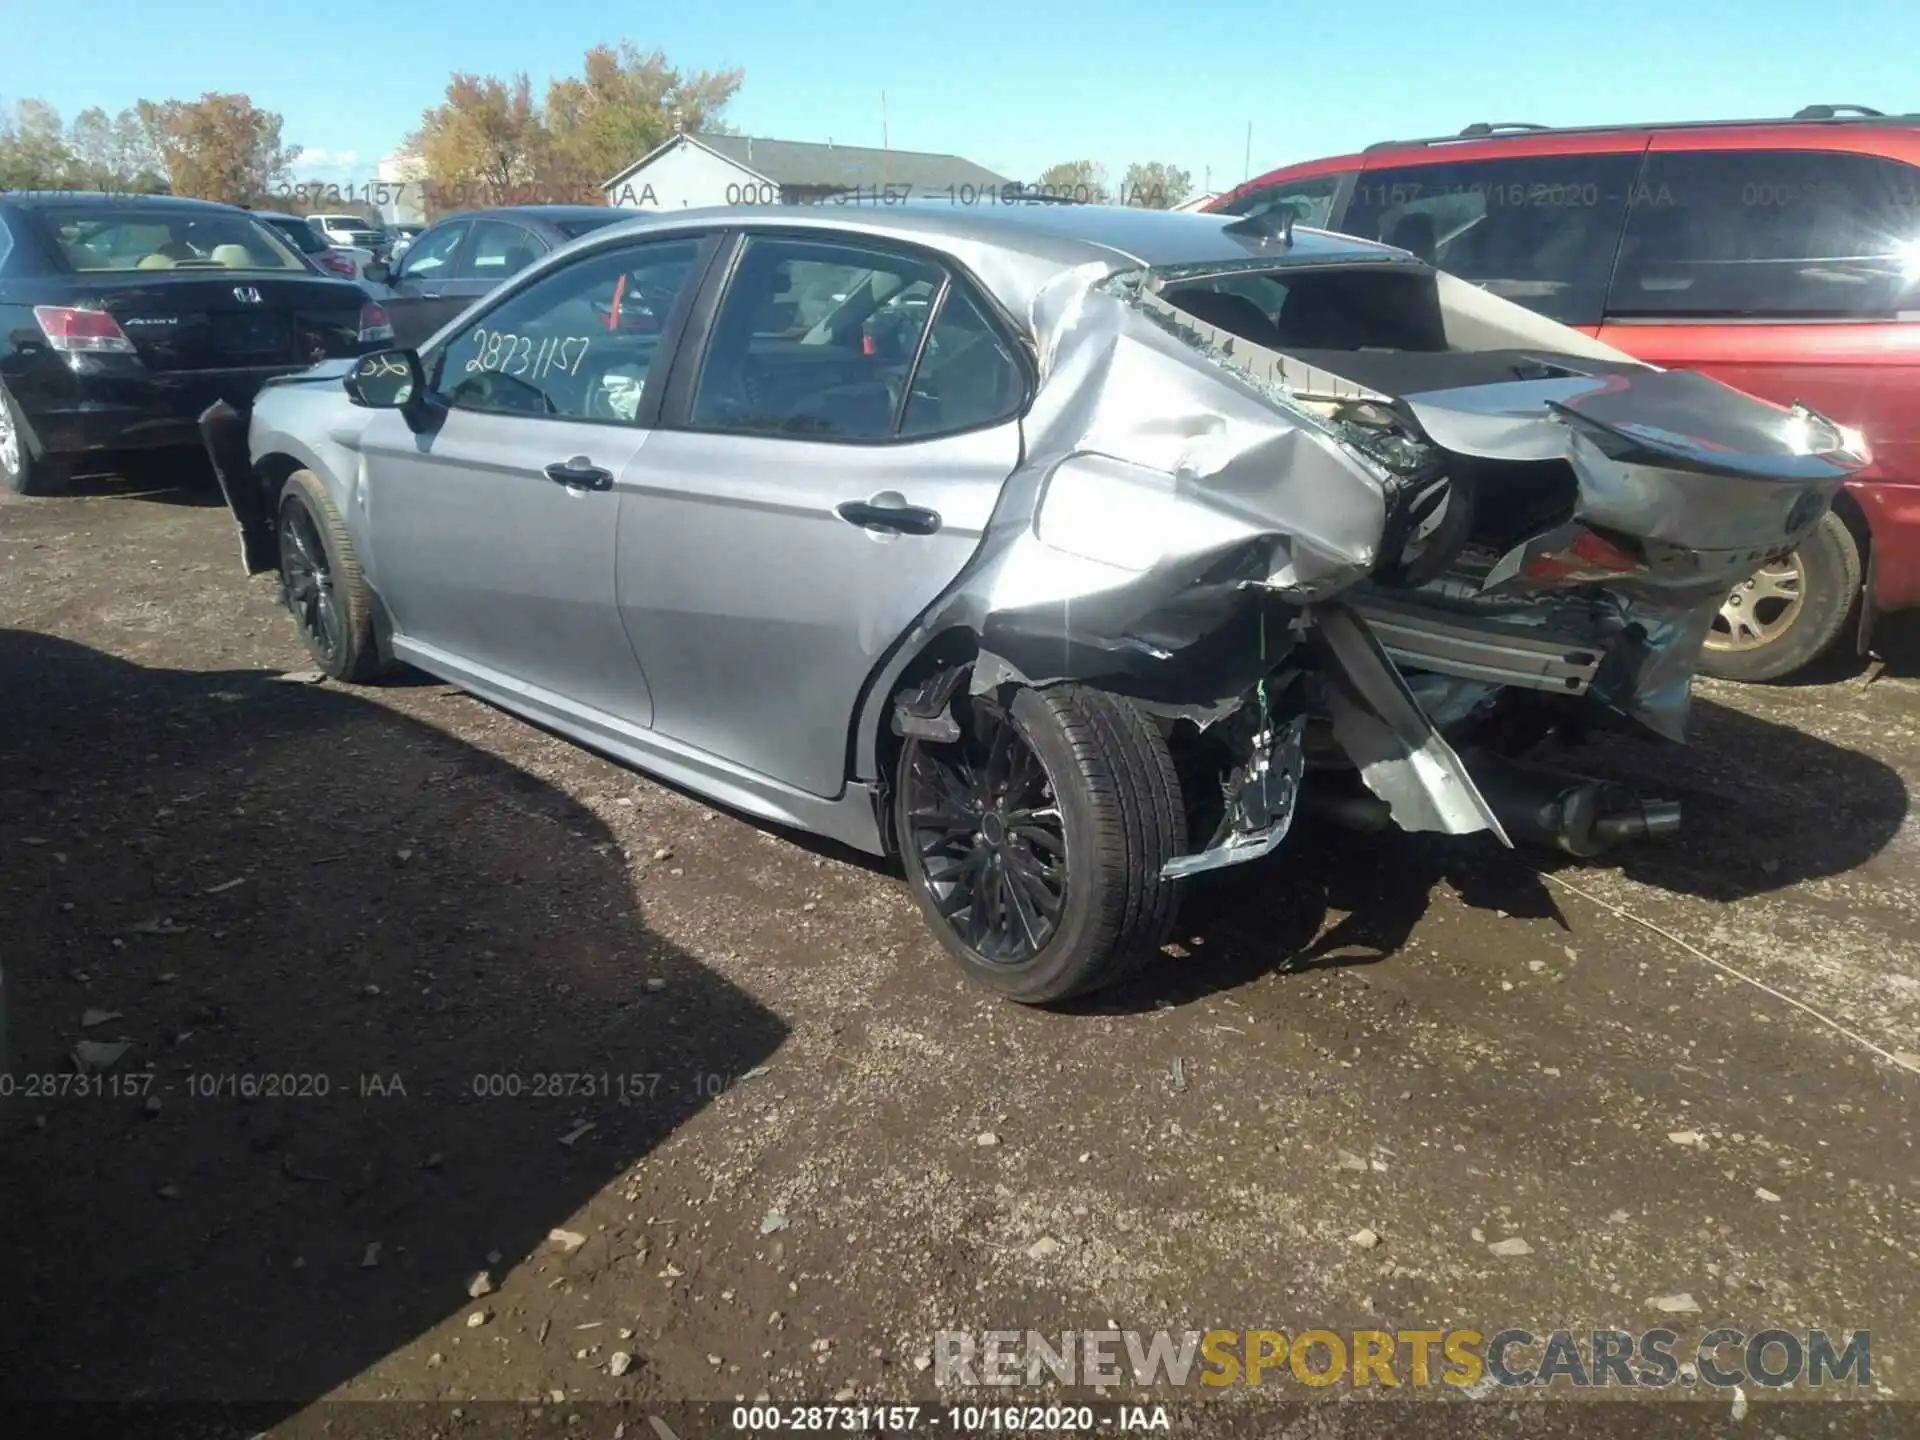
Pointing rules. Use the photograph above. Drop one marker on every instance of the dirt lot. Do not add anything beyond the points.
(814, 1145)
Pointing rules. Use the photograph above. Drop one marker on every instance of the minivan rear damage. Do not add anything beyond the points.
(1356, 531)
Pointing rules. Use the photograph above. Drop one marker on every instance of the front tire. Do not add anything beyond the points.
(1787, 615)
(320, 581)
(1034, 843)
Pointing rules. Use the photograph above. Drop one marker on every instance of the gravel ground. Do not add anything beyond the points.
(764, 1167)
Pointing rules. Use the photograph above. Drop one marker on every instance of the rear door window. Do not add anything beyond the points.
(1311, 201)
(815, 340)
(1797, 233)
(1541, 231)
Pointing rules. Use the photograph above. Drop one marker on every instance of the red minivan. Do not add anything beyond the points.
(1779, 256)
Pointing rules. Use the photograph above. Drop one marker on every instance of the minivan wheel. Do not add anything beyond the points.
(321, 583)
(1034, 842)
(1789, 613)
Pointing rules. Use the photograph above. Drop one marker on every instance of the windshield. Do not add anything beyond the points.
(95, 237)
(573, 229)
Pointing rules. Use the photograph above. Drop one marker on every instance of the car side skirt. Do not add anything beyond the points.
(852, 817)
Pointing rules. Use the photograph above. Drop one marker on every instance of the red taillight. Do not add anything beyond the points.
(1590, 556)
(375, 324)
(81, 332)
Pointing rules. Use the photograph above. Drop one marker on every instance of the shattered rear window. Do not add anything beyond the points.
(1305, 309)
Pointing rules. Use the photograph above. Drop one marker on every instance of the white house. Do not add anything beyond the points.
(691, 170)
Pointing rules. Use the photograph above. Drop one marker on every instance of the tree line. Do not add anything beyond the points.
(220, 147)
(487, 137)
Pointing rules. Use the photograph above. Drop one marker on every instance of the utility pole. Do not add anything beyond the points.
(886, 148)
(1249, 168)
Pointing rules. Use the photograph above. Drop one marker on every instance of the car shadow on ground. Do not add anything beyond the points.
(1764, 806)
(162, 477)
(382, 982)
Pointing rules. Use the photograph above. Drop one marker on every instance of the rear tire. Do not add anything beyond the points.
(321, 583)
(25, 467)
(1762, 635)
(1087, 810)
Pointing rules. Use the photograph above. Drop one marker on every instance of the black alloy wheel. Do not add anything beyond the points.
(308, 583)
(986, 830)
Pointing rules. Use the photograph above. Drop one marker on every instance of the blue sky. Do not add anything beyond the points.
(1014, 86)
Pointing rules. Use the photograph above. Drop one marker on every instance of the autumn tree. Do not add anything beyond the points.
(485, 143)
(1154, 185)
(219, 147)
(33, 148)
(626, 103)
(1076, 180)
(115, 153)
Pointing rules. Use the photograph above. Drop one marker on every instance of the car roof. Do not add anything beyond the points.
(552, 214)
(1016, 249)
(40, 199)
(1828, 116)
(1854, 128)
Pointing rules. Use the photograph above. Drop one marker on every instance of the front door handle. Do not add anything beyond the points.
(889, 512)
(580, 473)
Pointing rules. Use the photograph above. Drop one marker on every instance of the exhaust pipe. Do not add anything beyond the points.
(1567, 812)
(1536, 805)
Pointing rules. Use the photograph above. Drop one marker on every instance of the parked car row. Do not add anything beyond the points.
(1781, 256)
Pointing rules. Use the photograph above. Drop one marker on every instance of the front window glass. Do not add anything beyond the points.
(576, 344)
(430, 255)
(500, 249)
(1311, 201)
(1538, 230)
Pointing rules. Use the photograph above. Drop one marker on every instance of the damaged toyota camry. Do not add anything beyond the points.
(1063, 552)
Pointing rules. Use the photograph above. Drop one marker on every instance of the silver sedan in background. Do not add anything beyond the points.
(1063, 552)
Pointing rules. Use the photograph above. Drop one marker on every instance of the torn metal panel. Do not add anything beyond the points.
(1400, 755)
(1264, 795)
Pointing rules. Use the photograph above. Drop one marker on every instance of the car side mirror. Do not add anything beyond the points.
(385, 380)
(378, 271)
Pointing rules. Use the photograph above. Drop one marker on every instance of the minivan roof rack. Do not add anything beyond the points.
(1836, 112)
(1808, 115)
(1495, 127)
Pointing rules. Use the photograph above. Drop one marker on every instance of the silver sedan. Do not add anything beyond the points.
(1063, 552)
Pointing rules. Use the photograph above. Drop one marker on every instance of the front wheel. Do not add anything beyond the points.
(1789, 613)
(1034, 842)
(321, 582)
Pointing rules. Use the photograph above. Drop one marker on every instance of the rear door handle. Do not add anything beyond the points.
(889, 512)
(580, 473)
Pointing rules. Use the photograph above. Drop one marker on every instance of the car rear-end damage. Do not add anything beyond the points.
(1356, 533)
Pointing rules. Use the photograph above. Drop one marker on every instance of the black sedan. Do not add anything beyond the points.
(123, 317)
(456, 260)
